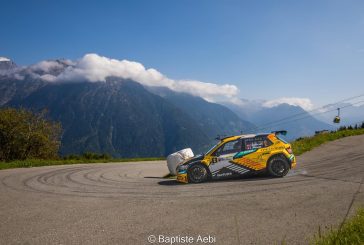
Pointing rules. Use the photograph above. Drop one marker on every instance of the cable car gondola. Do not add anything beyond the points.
(337, 118)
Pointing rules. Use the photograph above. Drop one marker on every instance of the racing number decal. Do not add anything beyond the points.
(221, 162)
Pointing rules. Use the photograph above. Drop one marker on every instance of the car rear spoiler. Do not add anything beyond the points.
(282, 132)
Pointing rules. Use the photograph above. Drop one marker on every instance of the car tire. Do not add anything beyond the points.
(278, 166)
(197, 173)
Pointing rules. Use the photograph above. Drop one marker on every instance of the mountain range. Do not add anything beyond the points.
(120, 116)
(124, 118)
(294, 119)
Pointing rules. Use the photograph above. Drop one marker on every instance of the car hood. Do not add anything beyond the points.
(193, 159)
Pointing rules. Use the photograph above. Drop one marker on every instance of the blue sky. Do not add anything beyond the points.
(269, 49)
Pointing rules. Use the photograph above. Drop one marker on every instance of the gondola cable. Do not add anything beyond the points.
(305, 112)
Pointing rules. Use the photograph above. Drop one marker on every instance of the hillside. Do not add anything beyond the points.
(215, 119)
(118, 117)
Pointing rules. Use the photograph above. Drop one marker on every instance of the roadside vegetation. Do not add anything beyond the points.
(25, 135)
(350, 233)
(302, 145)
(29, 139)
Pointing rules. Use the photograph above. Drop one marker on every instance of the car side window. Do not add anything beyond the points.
(256, 142)
(230, 147)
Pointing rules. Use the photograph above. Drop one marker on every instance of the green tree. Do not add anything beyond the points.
(27, 135)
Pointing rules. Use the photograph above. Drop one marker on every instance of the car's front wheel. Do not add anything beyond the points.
(197, 173)
(278, 166)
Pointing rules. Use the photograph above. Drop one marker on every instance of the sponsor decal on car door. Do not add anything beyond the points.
(222, 165)
(222, 161)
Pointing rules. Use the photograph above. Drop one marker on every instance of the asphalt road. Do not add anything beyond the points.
(124, 203)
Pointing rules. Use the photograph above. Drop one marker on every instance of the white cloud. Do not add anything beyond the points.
(46, 66)
(48, 77)
(305, 103)
(95, 68)
(209, 91)
(4, 59)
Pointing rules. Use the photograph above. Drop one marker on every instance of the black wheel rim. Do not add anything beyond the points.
(278, 167)
(198, 174)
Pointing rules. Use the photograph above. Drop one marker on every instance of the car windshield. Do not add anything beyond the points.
(209, 151)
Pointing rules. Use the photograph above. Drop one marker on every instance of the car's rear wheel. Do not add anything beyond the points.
(197, 173)
(278, 166)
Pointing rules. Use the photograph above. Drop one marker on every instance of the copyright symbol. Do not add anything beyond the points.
(152, 239)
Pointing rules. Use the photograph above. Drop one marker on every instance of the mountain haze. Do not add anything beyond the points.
(215, 119)
(294, 119)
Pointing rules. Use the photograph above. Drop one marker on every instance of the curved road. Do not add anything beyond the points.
(124, 203)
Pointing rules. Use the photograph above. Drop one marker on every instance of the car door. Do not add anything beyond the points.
(224, 155)
(253, 155)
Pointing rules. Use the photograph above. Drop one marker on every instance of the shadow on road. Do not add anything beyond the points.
(173, 182)
(170, 182)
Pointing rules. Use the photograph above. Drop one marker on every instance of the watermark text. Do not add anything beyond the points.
(181, 239)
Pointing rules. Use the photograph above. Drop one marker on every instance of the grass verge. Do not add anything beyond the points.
(351, 233)
(38, 162)
(308, 143)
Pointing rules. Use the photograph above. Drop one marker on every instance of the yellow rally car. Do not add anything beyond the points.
(240, 155)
